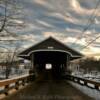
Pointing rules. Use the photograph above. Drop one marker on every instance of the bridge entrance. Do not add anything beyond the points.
(50, 53)
(50, 63)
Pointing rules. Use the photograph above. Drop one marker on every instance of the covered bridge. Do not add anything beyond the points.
(51, 56)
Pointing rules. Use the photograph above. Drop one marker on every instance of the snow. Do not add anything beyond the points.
(89, 76)
(88, 91)
(14, 73)
(82, 82)
(91, 85)
(15, 77)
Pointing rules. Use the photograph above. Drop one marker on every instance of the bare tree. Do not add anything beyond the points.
(90, 64)
(10, 15)
(4, 18)
(11, 59)
(7, 65)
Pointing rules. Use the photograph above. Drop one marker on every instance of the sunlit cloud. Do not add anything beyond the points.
(92, 51)
(98, 40)
(18, 21)
(95, 50)
(88, 33)
(75, 4)
(65, 17)
(28, 37)
(82, 41)
(53, 34)
(73, 30)
(26, 46)
(45, 24)
(69, 39)
(42, 2)
(7, 38)
(96, 21)
(73, 39)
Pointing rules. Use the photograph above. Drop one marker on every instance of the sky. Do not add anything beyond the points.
(66, 20)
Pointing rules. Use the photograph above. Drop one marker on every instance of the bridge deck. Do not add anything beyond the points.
(49, 90)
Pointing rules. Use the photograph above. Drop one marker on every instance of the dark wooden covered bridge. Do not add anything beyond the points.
(50, 59)
(50, 53)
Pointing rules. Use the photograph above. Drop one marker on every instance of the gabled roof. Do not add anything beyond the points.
(50, 44)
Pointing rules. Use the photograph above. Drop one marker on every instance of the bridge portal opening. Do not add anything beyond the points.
(53, 63)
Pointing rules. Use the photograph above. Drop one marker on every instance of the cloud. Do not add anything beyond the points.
(53, 34)
(72, 40)
(96, 21)
(62, 19)
(17, 21)
(28, 37)
(98, 40)
(42, 2)
(92, 51)
(66, 17)
(45, 24)
(79, 9)
(64, 38)
(75, 4)
(69, 30)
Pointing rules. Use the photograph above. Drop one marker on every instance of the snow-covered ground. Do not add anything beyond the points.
(14, 73)
(88, 91)
(89, 76)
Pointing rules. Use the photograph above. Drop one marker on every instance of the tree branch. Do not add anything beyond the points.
(5, 18)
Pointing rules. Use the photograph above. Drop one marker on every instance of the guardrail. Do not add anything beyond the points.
(85, 82)
(9, 84)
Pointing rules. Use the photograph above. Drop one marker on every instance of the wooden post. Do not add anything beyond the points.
(85, 83)
(32, 70)
(27, 80)
(96, 87)
(67, 60)
(17, 85)
(23, 82)
(6, 89)
(32, 61)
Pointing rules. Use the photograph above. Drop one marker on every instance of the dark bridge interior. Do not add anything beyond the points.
(54, 59)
